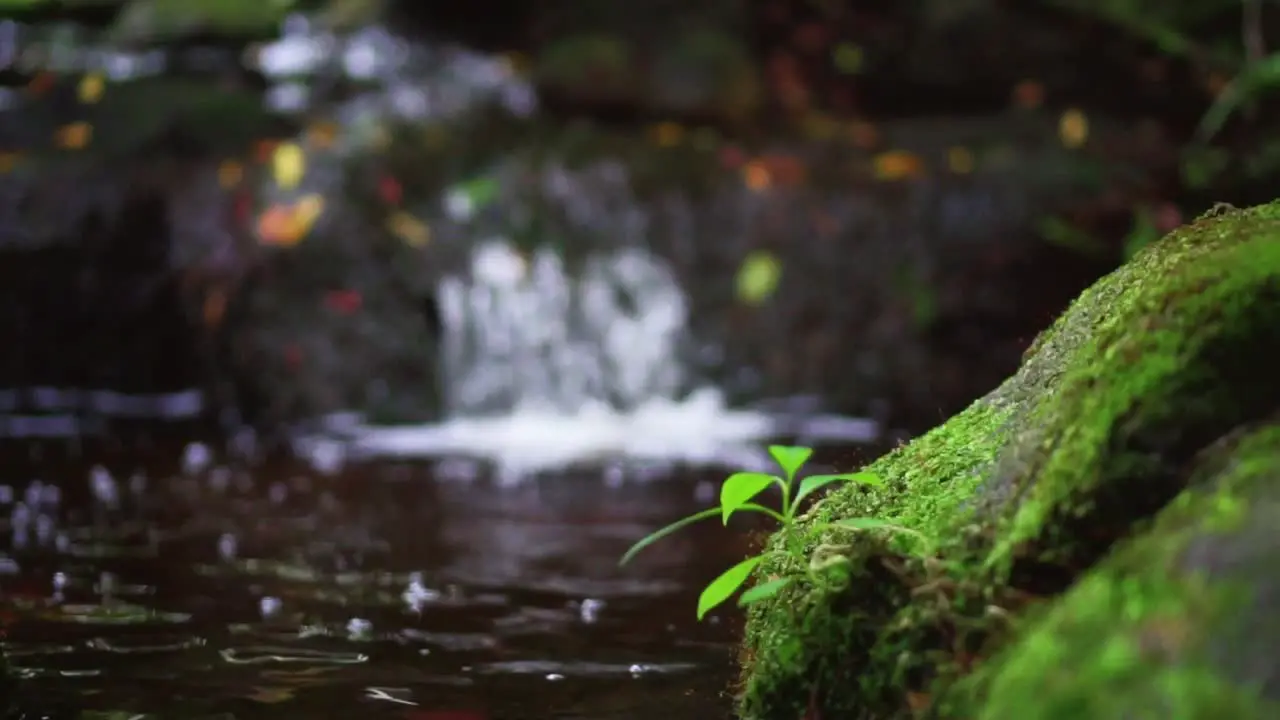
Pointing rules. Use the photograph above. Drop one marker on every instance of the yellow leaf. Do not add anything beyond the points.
(8, 161)
(74, 136)
(288, 163)
(847, 58)
(91, 88)
(960, 160)
(380, 138)
(409, 229)
(1073, 128)
(269, 695)
(308, 209)
(667, 134)
(758, 277)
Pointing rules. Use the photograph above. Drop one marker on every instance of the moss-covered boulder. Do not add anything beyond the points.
(1100, 520)
(1179, 622)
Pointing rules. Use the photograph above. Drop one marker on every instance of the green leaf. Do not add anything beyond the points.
(763, 590)
(1256, 79)
(481, 191)
(815, 482)
(847, 58)
(739, 488)
(866, 523)
(657, 535)
(719, 590)
(790, 458)
(757, 507)
(757, 277)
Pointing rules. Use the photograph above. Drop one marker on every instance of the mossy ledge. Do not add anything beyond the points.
(1035, 495)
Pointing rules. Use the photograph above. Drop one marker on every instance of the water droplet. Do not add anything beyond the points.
(227, 546)
(268, 606)
(195, 458)
(359, 629)
(52, 495)
(103, 486)
(416, 595)
(590, 609)
(45, 527)
(106, 585)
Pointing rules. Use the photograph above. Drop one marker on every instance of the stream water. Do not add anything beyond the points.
(172, 585)
(461, 570)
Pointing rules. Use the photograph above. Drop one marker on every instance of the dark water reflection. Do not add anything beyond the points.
(380, 592)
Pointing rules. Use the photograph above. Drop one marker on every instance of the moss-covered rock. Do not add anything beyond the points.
(1177, 623)
(1029, 489)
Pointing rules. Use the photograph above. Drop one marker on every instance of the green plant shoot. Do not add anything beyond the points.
(739, 492)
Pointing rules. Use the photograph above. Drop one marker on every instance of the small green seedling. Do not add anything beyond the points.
(738, 492)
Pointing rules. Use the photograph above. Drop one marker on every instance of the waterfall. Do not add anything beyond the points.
(542, 368)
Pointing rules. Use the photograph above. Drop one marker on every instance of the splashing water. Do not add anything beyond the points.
(542, 370)
(522, 337)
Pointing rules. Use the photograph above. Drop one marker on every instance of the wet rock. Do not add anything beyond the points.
(1097, 521)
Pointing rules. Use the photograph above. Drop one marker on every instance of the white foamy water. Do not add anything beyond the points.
(543, 368)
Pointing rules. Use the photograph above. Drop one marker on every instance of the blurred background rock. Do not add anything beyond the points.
(259, 202)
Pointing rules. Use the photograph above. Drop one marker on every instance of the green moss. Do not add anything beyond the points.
(1145, 634)
(936, 473)
(1031, 485)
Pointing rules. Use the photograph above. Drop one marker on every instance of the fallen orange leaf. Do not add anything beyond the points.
(286, 225)
(1028, 94)
(344, 302)
(864, 134)
(215, 307)
(667, 134)
(74, 136)
(897, 165)
(41, 83)
(783, 169)
(230, 173)
(263, 149)
(756, 175)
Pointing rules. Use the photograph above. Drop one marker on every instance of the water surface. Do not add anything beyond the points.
(384, 591)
